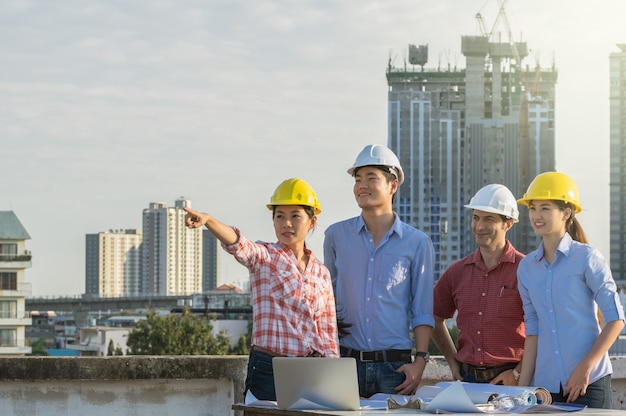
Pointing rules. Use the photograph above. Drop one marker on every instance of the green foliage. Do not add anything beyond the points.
(39, 347)
(184, 334)
(110, 348)
(113, 350)
(432, 347)
(243, 343)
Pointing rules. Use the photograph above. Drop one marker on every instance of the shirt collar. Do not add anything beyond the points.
(564, 247)
(395, 228)
(508, 255)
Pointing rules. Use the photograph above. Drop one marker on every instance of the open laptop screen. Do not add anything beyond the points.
(316, 383)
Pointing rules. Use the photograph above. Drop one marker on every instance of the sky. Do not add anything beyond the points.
(107, 106)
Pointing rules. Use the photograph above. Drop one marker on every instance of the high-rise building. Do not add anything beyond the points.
(171, 252)
(456, 130)
(14, 260)
(210, 261)
(617, 99)
(113, 263)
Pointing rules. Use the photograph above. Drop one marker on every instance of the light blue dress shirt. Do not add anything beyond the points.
(560, 303)
(383, 291)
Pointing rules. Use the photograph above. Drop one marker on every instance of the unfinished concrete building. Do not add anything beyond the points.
(456, 130)
(617, 99)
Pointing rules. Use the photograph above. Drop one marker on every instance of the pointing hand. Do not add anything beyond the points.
(195, 219)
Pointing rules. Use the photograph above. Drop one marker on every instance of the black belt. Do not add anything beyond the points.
(380, 356)
(486, 373)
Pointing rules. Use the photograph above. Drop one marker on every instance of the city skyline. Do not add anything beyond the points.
(109, 107)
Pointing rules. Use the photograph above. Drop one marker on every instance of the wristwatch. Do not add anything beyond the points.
(424, 355)
(516, 374)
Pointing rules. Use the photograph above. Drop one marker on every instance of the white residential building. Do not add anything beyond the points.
(113, 263)
(14, 260)
(94, 341)
(171, 252)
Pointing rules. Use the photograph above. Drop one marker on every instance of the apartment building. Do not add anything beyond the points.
(171, 252)
(113, 263)
(14, 260)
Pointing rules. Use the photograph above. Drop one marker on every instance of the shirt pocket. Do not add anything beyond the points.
(509, 303)
(285, 288)
(394, 271)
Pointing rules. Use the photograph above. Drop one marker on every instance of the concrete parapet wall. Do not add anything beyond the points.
(127, 385)
(154, 385)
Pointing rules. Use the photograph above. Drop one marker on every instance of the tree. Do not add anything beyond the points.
(243, 343)
(39, 347)
(110, 348)
(184, 334)
(113, 350)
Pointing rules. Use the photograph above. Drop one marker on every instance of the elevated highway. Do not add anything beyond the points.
(220, 304)
(87, 304)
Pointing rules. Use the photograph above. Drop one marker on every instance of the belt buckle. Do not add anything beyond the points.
(481, 373)
(362, 359)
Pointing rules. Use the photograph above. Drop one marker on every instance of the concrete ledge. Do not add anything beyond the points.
(155, 385)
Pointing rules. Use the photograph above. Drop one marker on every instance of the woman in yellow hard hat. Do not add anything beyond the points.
(563, 284)
(293, 306)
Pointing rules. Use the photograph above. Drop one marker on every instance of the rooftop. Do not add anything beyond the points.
(11, 228)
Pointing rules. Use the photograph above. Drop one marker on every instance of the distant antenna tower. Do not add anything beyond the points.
(418, 55)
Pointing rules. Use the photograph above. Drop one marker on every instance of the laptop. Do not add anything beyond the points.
(310, 383)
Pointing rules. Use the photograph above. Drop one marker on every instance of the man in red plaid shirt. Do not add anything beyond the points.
(482, 288)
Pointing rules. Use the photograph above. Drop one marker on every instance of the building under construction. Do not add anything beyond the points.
(456, 130)
(617, 113)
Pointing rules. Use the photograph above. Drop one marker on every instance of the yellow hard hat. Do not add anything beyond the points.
(552, 186)
(295, 191)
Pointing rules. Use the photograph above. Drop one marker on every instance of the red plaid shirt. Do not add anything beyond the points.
(490, 315)
(293, 309)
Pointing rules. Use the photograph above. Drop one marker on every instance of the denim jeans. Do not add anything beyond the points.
(375, 377)
(598, 394)
(260, 376)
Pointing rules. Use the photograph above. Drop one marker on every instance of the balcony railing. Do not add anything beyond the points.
(16, 257)
(15, 315)
(22, 288)
(12, 343)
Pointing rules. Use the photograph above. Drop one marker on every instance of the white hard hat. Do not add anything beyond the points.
(378, 155)
(497, 199)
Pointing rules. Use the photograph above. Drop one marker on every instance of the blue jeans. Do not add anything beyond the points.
(598, 394)
(375, 377)
(260, 376)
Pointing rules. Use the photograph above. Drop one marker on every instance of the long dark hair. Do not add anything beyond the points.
(572, 226)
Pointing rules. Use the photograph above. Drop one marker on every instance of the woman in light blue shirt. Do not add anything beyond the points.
(567, 291)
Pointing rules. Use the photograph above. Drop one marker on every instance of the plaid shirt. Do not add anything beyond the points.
(490, 315)
(293, 309)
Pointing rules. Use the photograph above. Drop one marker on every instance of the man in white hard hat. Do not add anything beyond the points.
(482, 288)
(382, 273)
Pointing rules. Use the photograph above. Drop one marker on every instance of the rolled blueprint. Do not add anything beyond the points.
(482, 393)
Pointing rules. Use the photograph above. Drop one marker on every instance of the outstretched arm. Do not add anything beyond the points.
(223, 232)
